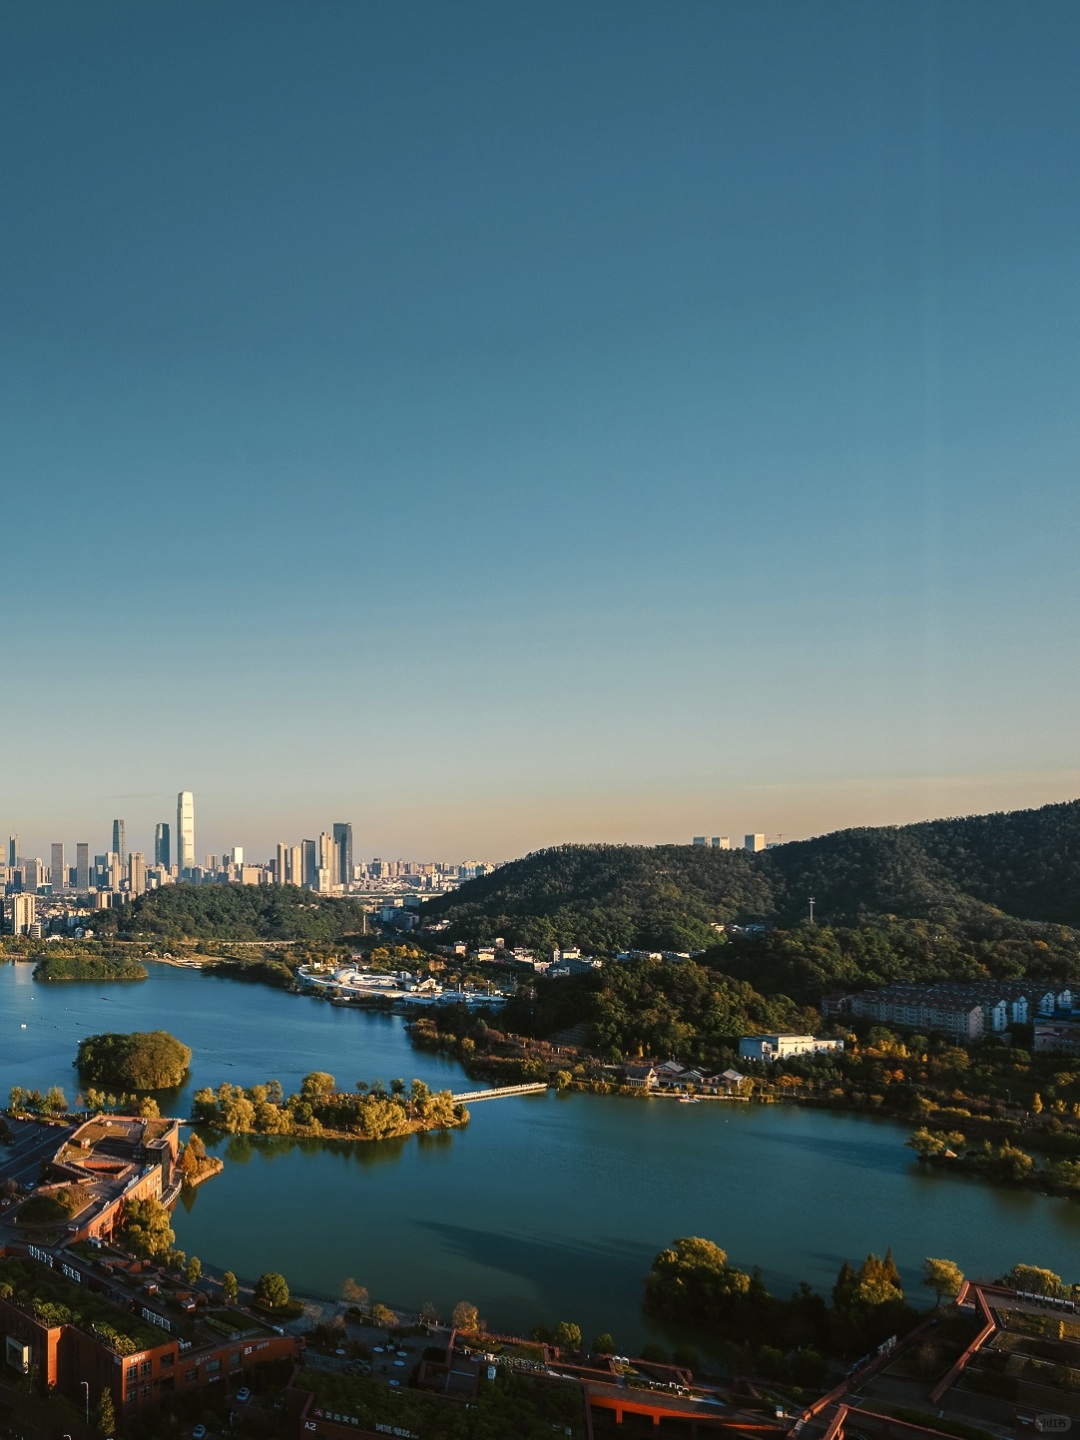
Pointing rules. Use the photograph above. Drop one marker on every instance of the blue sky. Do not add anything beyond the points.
(499, 424)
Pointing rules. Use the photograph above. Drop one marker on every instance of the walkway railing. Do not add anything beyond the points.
(471, 1095)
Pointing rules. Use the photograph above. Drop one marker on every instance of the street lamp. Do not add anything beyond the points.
(86, 1386)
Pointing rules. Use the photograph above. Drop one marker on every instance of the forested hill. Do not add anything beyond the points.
(234, 912)
(984, 873)
(610, 897)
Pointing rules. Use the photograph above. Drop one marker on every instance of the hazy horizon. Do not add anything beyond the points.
(441, 843)
(497, 425)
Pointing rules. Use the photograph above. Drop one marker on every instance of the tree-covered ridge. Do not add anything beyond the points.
(609, 897)
(988, 876)
(235, 912)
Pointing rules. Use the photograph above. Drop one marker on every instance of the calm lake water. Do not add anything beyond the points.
(546, 1207)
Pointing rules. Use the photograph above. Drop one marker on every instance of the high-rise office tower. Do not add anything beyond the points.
(296, 865)
(162, 844)
(119, 844)
(310, 862)
(33, 874)
(57, 872)
(115, 870)
(343, 842)
(82, 867)
(279, 864)
(13, 850)
(755, 843)
(185, 831)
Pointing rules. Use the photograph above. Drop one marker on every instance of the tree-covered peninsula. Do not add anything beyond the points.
(370, 1112)
(142, 1060)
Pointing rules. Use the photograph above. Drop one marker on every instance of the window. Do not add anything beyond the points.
(212, 1367)
(147, 1366)
(191, 1374)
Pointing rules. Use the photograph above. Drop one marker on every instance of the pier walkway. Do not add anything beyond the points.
(468, 1096)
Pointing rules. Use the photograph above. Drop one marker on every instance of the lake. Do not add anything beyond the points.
(546, 1207)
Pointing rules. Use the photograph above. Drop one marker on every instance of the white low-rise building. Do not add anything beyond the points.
(783, 1047)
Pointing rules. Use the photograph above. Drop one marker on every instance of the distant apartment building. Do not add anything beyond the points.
(754, 843)
(137, 873)
(965, 1012)
(22, 911)
(783, 1047)
(33, 874)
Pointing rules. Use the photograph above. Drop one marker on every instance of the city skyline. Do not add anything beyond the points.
(553, 424)
(33, 840)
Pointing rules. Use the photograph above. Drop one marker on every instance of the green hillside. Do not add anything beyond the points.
(610, 897)
(234, 912)
(986, 877)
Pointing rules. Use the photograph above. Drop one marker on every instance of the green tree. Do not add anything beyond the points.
(429, 1314)
(1034, 1280)
(54, 1102)
(944, 1277)
(383, 1316)
(604, 1344)
(105, 1414)
(272, 1289)
(229, 1288)
(317, 1085)
(465, 1317)
(193, 1271)
(146, 1228)
(567, 1335)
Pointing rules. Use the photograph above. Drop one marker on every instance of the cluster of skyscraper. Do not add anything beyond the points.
(324, 864)
(118, 869)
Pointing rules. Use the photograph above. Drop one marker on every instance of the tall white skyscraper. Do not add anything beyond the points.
(185, 831)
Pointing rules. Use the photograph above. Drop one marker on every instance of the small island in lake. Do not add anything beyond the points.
(143, 1060)
(89, 967)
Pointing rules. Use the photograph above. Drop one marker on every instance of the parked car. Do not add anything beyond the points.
(243, 1395)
